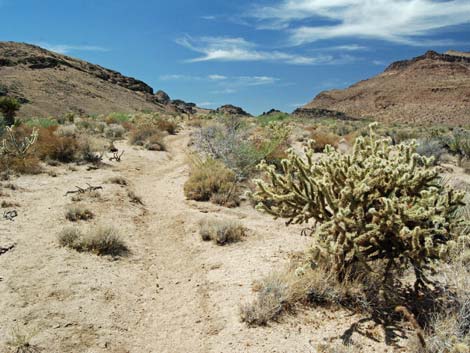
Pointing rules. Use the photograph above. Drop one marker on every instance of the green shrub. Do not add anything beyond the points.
(9, 106)
(381, 204)
(41, 122)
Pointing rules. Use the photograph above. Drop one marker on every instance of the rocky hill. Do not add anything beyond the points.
(432, 88)
(48, 83)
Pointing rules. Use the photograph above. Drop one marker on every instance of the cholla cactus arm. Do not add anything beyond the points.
(11, 145)
(380, 202)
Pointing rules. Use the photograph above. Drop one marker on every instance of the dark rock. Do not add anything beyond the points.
(229, 109)
(271, 111)
(162, 97)
(317, 113)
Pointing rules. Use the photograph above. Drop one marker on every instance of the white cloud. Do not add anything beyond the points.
(216, 77)
(208, 18)
(225, 84)
(400, 21)
(206, 104)
(67, 48)
(239, 49)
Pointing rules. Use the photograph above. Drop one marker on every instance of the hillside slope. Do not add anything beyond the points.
(53, 84)
(432, 88)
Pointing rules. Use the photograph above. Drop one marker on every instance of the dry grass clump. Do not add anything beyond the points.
(134, 198)
(209, 178)
(119, 180)
(9, 204)
(169, 126)
(66, 131)
(323, 138)
(103, 240)
(20, 342)
(148, 136)
(280, 292)
(155, 142)
(114, 131)
(76, 213)
(222, 232)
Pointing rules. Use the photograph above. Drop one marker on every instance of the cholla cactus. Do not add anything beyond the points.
(381, 202)
(17, 147)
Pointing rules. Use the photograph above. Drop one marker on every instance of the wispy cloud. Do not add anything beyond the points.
(225, 84)
(206, 104)
(399, 21)
(239, 49)
(208, 18)
(67, 48)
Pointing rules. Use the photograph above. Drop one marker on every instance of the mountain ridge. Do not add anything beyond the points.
(431, 88)
(49, 83)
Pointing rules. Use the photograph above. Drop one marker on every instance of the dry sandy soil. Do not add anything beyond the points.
(173, 293)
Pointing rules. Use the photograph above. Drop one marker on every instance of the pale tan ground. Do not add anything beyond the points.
(174, 293)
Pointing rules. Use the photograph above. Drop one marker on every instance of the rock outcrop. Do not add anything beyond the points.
(429, 89)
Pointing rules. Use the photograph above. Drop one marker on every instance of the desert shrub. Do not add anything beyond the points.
(105, 241)
(155, 142)
(140, 135)
(117, 118)
(114, 131)
(41, 123)
(458, 143)
(207, 178)
(66, 131)
(90, 150)
(382, 204)
(169, 126)
(134, 198)
(20, 341)
(119, 180)
(9, 106)
(265, 120)
(102, 240)
(231, 142)
(70, 237)
(281, 291)
(78, 213)
(53, 147)
(221, 232)
(400, 134)
(323, 138)
(430, 148)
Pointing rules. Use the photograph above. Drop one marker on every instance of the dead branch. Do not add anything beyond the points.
(4, 249)
(116, 156)
(10, 215)
(80, 190)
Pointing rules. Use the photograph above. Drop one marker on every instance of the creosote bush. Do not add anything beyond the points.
(209, 178)
(76, 213)
(382, 203)
(221, 232)
(102, 240)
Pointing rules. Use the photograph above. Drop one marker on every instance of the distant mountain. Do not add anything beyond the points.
(432, 88)
(48, 83)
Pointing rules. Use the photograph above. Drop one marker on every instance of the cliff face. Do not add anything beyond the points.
(431, 88)
(53, 84)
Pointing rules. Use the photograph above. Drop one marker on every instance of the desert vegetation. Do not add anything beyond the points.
(384, 210)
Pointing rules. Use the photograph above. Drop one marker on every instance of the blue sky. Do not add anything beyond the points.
(257, 54)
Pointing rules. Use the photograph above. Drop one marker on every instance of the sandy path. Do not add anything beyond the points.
(174, 293)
